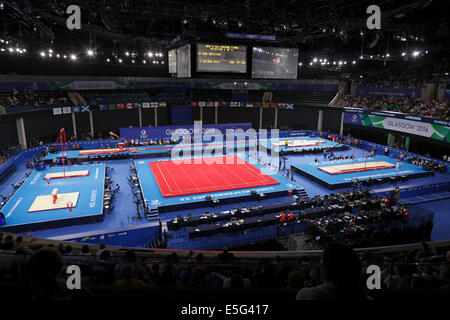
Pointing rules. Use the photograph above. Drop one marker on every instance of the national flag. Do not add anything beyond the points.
(102, 107)
(194, 103)
(202, 104)
(154, 104)
(112, 106)
(225, 103)
(210, 104)
(289, 106)
(120, 106)
(162, 104)
(57, 111)
(76, 109)
(67, 110)
(257, 105)
(249, 104)
(273, 105)
(265, 104)
(85, 108)
(146, 105)
(137, 105)
(129, 105)
(241, 104)
(233, 104)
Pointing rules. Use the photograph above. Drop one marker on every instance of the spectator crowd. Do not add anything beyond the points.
(43, 271)
(433, 109)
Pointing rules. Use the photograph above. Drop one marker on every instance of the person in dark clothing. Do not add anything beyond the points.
(341, 269)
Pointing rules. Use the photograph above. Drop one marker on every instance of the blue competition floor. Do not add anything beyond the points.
(90, 201)
(122, 215)
(154, 198)
(338, 180)
(268, 144)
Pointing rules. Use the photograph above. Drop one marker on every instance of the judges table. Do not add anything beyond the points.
(243, 223)
(209, 218)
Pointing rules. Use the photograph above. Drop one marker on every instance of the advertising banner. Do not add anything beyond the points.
(420, 126)
(165, 132)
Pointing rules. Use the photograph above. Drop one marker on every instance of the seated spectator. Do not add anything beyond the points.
(127, 277)
(341, 269)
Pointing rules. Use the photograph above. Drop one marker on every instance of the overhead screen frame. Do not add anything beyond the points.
(220, 44)
(168, 60)
(188, 61)
(266, 47)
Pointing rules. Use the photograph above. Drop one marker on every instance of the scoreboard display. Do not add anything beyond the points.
(221, 58)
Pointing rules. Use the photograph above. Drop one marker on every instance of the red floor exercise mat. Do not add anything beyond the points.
(180, 179)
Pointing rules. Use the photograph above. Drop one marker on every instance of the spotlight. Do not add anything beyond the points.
(57, 55)
(90, 52)
(315, 60)
(11, 49)
(354, 62)
(150, 54)
(120, 60)
(144, 62)
(300, 64)
(415, 53)
(387, 55)
(73, 57)
(107, 60)
(42, 54)
(65, 56)
(132, 61)
(127, 53)
(403, 54)
(50, 50)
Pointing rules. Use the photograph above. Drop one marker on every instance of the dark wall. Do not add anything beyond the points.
(105, 121)
(298, 118)
(163, 117)
(372, 135)
(230, 115)
(46, 127)
(83, 122)
(8, 133)
(209, 115)
(196, 114)
(148, 117)
(268, 118)
(331, 120)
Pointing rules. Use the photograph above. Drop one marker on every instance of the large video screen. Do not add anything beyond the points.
(274, 63)
(184, 61)
(172, 61)
(221, 58)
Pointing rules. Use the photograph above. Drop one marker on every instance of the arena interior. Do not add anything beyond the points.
(227, 150)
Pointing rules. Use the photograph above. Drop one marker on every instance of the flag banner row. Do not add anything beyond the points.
(241, 104)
